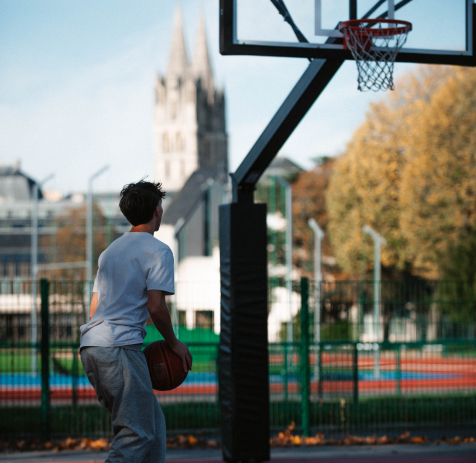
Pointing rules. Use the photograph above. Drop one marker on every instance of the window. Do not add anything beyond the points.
(179, 142)
(204, 319)
(207, 149)
(173, 110)
(182, 318)
(165, 143)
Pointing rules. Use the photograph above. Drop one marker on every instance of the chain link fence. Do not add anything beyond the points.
(340, 359)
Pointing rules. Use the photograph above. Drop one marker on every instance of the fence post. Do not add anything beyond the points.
(45, 361)
(74, 378)
(286, 384)
(355, 373)
(305, 370)
(398, 372)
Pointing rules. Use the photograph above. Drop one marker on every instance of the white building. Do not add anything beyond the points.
(191, 162)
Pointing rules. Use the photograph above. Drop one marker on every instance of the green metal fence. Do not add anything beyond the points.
(413, 367)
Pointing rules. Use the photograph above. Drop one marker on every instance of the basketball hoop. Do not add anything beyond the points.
(374, 44)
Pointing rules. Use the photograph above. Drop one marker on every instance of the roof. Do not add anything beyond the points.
(186, 200)
(284, 163)
(15, 185)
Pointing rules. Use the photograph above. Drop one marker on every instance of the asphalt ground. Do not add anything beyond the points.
(395, 453)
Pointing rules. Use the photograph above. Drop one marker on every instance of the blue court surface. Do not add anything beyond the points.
(205, 379)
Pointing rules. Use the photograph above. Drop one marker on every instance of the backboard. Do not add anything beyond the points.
(443, 30)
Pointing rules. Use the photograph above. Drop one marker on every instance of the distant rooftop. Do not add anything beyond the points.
(282, 167)
(15, 185)
(186, 200)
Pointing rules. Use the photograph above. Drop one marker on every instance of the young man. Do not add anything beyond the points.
(135, 274)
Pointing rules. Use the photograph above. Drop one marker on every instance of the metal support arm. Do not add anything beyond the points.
(295, 106)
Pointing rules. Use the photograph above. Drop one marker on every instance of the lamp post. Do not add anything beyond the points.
(34, 270)
(89, 229)
(178, 228)
(318, 237)
(211, 185)
(289, 251)
(378, 242)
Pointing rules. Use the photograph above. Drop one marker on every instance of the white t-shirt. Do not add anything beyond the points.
(133, 264)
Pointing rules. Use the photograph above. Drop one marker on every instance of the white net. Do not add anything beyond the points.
(374, 51)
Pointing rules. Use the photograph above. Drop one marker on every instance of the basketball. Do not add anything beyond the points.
(165, 367)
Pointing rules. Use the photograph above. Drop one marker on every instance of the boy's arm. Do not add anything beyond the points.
(159, 312)
(94, 305)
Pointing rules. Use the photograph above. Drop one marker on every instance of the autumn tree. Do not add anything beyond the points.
(438, 191)
(409, 173)
(309, 201)
(68, 244)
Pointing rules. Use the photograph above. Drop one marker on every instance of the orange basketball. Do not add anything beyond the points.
(165, 367)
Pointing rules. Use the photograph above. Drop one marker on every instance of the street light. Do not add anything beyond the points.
(89, 228)
(378, 242)
(34, 270)
(178, 228)
(211, 185)
(289, 249)
(318, 237)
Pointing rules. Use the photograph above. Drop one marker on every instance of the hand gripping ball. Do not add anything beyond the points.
(165, 367)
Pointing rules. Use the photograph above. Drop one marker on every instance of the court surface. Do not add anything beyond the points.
(398, 453)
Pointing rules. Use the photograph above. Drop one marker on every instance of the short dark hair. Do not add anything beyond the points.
(139, 200)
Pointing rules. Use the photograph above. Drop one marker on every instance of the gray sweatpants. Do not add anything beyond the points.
(122, 383)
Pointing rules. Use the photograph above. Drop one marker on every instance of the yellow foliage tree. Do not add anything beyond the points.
(409, 173)
(438, 190)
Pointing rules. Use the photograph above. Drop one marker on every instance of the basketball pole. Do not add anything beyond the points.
(241, 289)
(378, 242)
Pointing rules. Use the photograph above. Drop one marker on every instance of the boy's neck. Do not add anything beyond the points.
(143, 228)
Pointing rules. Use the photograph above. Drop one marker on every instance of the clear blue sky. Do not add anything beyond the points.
(77, 80)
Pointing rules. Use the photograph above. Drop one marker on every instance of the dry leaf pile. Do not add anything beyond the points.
(283, 439)
(288, 439)
(191, 442)
(55, 445)
(178, 442)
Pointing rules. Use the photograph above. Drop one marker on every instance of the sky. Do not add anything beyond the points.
(77, 90)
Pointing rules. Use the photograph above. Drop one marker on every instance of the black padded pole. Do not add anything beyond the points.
(243, 353)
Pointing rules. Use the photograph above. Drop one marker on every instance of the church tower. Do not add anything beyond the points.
(190, 131)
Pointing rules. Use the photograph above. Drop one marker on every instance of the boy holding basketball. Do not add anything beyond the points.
(135, 274)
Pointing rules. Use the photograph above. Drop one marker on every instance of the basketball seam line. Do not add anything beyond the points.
(164, 355)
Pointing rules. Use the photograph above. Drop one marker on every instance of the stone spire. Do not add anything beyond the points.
(202, 68)
(178, 62)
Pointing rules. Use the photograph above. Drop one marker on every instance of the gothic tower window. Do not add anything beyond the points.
(173, 110)
(179, 142)
(207, 149)
(165, 143)
(167, 169)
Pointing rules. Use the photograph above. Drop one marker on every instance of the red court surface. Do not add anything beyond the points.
(443, 375)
